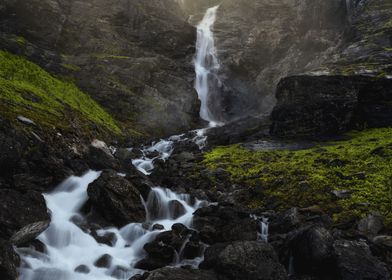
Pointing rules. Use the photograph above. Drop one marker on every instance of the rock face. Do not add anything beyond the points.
(116, 199)
(9, 261)
(244, 260)
(352, 90)
(181, 274)
(354, 261)
(261, 41)
(224, 224)
(330, 105)
(19, 210)
(133, 57)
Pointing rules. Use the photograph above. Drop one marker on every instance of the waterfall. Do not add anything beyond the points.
(205, 62)
(69, 248)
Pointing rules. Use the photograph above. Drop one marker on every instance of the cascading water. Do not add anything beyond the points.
(205, 62)
(70, 252)
(164, 148)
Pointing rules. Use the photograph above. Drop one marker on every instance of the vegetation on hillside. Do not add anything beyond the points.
(347, 179)
(28, 90)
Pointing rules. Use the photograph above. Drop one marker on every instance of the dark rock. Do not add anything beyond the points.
(84, 269)
(29, 233)
(119, 61)
(311, 251)
(158, 227)
(109, 238)
(9, 261)
(371, 225)
(18, 210)
(244, 260)
(116, 199)
(176, 209)
(104, 261)
(341, 103)
(100, 157)
(286, 221)
(355, 262)
(169, 245)
(223, 224)
(181, 274)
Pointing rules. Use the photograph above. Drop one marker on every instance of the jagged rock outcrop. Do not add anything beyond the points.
(245, 260)
(261, 41)
(133, 57)
(353, 90)
(116, 199)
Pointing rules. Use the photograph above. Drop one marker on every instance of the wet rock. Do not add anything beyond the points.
(109, 238)
(286, 221)
(9, 261)
(168, 245)
(100, 157)
(158, 227)
(104, 261)
(84, 269)
(224, 223)
(383, 240)
(116, 199)
(18, 210)
(354, 261)
(181, 274)
(311, 251)
(159, 254)
(29, 233)
(244, 260)
(176, 209)
(371, 225)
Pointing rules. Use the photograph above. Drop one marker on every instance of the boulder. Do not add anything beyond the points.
(29, 233)
(177, 244)
(371, 225)
(311, 251)
(224, 223)
(250, 260)
(100, 157)
(18, 210)
(354, 261)
(116, 199)
(181, 274)
(9, 261)
(104, 261)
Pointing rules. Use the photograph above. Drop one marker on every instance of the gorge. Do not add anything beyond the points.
(195, 139)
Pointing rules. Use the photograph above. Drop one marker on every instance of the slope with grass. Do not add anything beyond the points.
(28, 90)
(347, 179)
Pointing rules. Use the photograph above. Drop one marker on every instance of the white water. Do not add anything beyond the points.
(68, 246)
(205, 61)
(264, 228)
(163, 149)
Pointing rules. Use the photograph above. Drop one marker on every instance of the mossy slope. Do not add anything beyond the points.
(361, 166)
(28, 90)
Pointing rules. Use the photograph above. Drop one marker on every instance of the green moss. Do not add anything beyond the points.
(71, 67)
(303, 178)
(110, 56)
(27, 89)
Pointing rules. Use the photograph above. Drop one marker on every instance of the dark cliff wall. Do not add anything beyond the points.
(134, 57)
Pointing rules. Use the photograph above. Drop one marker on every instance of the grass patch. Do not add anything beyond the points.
(26, 89)
(361, 166)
